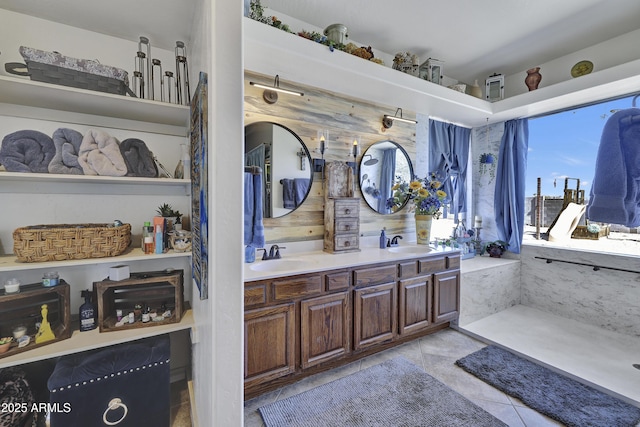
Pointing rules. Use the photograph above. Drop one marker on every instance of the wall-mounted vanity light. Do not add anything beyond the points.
(355, 150)
(270, 95)
(323, 138)
(387, 120)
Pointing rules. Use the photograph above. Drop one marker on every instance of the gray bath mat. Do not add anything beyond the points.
(557, 396)
(394, 393)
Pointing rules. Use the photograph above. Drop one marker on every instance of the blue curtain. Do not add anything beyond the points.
(387, 177)
(448, 156)
(510, 177)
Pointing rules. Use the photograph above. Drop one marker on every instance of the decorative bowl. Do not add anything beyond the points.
(5, 343)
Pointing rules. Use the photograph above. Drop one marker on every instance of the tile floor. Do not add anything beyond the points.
(180, 406)
(436, 354)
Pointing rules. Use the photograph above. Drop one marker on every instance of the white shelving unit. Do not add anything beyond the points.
(47, 102)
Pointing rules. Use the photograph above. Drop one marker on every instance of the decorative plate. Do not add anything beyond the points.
(581, 68)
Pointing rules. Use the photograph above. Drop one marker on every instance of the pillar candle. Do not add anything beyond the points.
(477, 222)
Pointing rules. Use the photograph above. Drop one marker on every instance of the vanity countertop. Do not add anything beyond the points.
(309, 262)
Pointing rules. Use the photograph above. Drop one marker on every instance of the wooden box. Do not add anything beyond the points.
(154, 289)
(25, 309)
(581, 232)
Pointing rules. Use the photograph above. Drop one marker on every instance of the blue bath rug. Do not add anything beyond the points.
(550, 393)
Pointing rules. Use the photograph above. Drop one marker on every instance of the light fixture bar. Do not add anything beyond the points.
(400, 119)
(276, 87)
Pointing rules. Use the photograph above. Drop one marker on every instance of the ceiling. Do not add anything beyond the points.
(474, 38)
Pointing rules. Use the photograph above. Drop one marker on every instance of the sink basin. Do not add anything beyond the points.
(283, 264)
(417, 250)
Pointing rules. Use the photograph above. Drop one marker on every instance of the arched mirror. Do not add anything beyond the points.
(384, 163)
(285, 163)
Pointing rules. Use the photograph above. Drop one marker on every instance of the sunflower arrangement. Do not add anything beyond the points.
(425, 195)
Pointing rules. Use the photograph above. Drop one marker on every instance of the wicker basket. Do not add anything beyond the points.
(55, 68)
(58, 242)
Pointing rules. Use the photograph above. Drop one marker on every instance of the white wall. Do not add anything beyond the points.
(218, 354)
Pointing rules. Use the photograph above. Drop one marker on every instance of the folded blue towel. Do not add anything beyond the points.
(27, 151)
(67, 143)
(615, 192)
(253, 227)
(288, 194)
(300, 188)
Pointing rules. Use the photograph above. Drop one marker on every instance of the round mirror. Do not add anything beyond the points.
(285, 164)
(383, 164)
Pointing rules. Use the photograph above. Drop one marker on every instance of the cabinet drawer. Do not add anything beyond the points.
(255, 294)
(343, 242)
(346, 225)
(407, 269)
(336, 281)
(453, 262)
(296, 287)
(375, 275)
(432, 265)
(347, 208)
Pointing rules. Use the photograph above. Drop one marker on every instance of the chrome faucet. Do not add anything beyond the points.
(394, 241)
(274, 252)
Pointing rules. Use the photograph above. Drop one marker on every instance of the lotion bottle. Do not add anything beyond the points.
(87, 312)
(383, 239)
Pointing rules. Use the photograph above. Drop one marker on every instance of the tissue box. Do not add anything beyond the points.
(119, 272)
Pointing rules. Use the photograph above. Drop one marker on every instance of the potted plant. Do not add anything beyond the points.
(495, 248)
(166, 211)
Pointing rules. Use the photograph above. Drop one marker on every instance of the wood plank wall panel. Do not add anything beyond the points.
(344, 118)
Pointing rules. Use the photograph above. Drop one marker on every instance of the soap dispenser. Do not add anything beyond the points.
(383, 239)
(87, 312)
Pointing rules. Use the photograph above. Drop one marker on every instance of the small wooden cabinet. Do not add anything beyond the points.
(341, 210)
(299, 325)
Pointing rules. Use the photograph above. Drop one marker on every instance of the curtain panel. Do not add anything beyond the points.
(448, 156)
(510, 183)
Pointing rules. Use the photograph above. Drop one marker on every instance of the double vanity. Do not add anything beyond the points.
(309, 312)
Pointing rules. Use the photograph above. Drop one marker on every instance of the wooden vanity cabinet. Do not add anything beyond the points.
(299, 325)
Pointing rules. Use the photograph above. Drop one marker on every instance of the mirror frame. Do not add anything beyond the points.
(360, 177)
(304, 149)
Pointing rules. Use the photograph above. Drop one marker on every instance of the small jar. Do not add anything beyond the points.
(12, 286)
(50, 279)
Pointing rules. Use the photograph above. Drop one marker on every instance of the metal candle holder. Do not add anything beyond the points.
(182, 74)
(146, 71)
(156, 64)
(168, 77)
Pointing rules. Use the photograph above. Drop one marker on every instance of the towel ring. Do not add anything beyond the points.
(113, 405)
(633, 103)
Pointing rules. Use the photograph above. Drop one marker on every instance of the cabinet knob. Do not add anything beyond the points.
(347, 227)
(347, 243)
(347, 211)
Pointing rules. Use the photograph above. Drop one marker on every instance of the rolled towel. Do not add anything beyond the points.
(138, 158)
(27, 151)
(65, 161)
(100, 154)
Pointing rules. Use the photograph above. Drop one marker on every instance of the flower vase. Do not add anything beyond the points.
(533, 78)
(423, 229)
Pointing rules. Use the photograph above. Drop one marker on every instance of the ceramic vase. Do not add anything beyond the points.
(533, 78)
(423, 229)
(475, 90)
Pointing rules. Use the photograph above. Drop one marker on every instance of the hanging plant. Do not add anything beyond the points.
(488, 164)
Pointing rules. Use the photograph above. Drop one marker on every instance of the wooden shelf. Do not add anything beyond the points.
(91, 340)
(110, 180)
(20, 91)
(10, 262)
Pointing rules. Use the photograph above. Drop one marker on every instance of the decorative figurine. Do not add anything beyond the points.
(44, 333)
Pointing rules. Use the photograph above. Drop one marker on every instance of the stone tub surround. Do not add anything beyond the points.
(487, 286)
(606, 298)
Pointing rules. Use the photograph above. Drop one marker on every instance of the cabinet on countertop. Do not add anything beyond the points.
(302, 324)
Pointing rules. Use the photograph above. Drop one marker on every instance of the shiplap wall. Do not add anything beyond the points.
(344, 118)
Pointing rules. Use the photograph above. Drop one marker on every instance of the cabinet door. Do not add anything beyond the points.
(269, 343)
(325, 328)
(446, 296)
(375, 315)
(415, 304)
